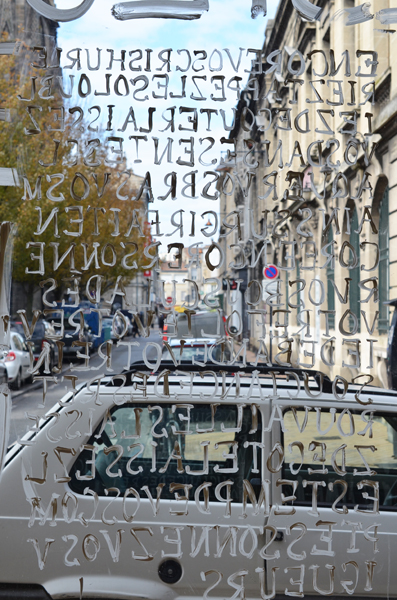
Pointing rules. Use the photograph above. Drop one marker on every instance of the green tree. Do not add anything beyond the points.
(71, 171)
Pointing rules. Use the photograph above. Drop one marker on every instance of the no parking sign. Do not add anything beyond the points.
(270, 272)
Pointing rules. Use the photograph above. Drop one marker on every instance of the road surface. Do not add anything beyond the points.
(27, 404)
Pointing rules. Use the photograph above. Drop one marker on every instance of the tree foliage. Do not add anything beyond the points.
(72, 170)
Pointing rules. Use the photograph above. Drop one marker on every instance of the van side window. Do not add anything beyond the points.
(330, 456)
(139, 445)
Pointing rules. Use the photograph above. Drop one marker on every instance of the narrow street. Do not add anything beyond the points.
(27, 403)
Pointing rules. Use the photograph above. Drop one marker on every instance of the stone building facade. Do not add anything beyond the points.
(315, 144)
(18, 19)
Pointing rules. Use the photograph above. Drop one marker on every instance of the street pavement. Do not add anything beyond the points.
(27, 404)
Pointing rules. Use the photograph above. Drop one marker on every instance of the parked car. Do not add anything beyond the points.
(95, 331)
(18, 327)
(200, 349)
(70, 348)
(202, 324)
(132, 327)
(17, 361)
(116, 325)
(204, 482)
(3, 373)
(40, 335)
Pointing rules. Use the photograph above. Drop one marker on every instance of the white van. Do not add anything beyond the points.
(204, 482)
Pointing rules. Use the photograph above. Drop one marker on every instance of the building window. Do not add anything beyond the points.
(383, 242)
(330, 287)
(355, 273)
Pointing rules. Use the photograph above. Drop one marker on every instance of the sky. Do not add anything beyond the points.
(225, 25)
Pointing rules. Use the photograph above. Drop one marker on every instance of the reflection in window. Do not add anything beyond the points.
(149, 445)
(298, 296)
(383, 242)
(382, 460)
(355, 273)
(330, 287)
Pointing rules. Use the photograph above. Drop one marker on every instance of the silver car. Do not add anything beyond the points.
(17, 361)
(204, 483)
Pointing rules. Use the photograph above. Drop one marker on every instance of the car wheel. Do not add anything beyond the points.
(18, 381)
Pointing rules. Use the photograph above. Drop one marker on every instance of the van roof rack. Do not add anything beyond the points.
(322, 380)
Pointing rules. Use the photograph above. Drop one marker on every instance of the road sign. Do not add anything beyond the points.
(147, 273)
(270, 272)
